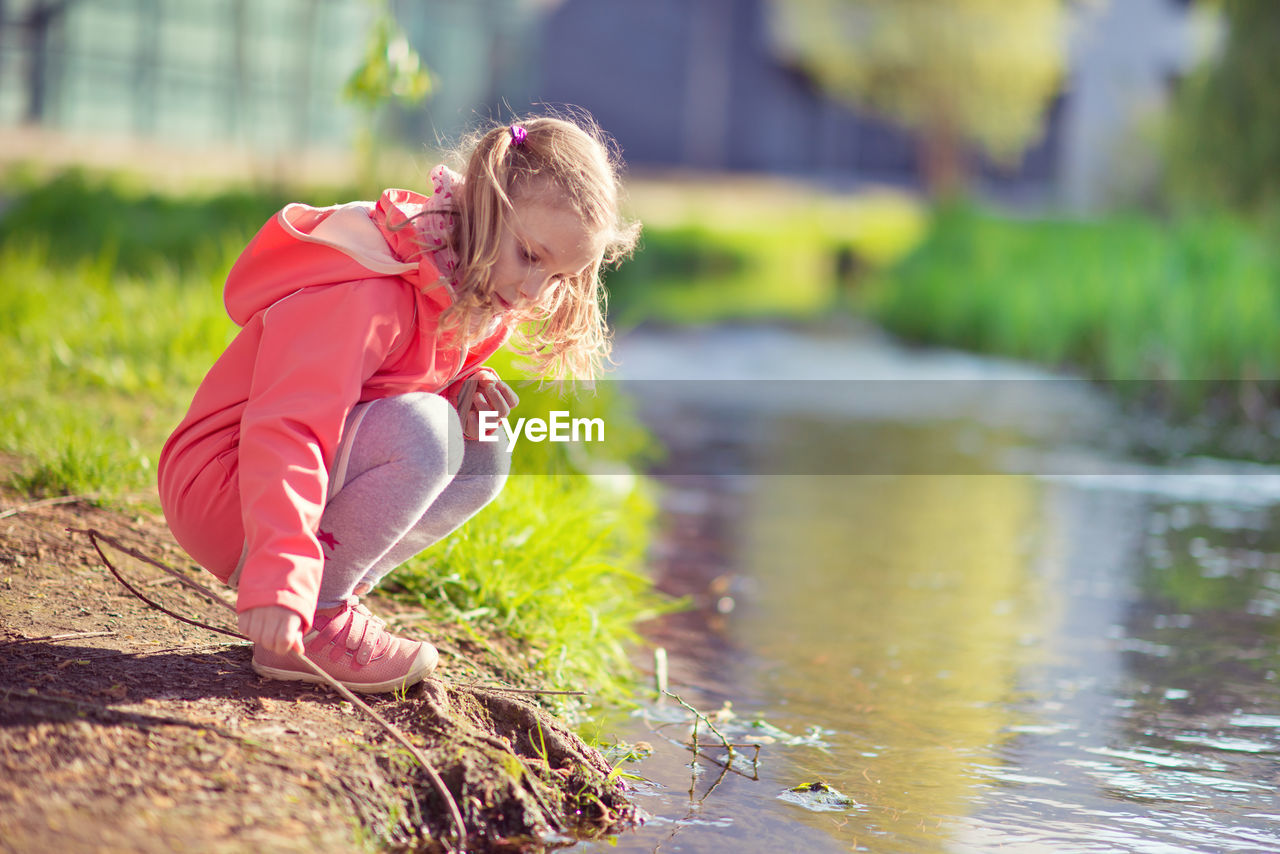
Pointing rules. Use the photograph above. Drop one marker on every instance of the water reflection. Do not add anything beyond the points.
(992, 661)
(1139, 739)
(895, 609)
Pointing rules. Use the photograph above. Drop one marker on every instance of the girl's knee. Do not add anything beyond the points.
(485, 468)
(487, 459)
(490, 486)
(424, 428)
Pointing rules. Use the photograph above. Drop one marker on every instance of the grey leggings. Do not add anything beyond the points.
(409, 480)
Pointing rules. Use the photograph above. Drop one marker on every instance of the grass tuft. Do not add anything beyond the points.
(1185, 309)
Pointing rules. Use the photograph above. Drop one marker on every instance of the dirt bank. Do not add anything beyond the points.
(123, 729)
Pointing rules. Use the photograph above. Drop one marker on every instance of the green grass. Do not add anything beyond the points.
(83, 217)
(752, 250)
(557, 561)
(1189, 305)
(104, 338)
(98, 367)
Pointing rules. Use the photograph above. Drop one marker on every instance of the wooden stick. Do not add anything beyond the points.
(660, 677)
(70, 636)
(700, 716)
(485, 686)
(404, 741)
(64, 499)
(93, 538)
(699, 754)
(46, 502)
(96, 535)
(459, 826)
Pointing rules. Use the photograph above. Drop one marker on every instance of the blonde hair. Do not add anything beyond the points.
(566, 338)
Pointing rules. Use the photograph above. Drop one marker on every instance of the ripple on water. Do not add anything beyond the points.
(1159, 758)
(1234, 744)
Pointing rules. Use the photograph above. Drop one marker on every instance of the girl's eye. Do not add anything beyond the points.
(528, 256)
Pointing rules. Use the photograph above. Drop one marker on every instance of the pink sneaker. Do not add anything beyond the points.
(353, 647)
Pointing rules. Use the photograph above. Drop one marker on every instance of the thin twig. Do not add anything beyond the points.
(660, 676)
(697, 751)
(485, 686)
(700, 716)
(47, 502)
(724, 770)
(108, 653)
(32, 694)
(96, 535)
(70, 636)
(460, 827)
(157, 582)
(399, 736)
(719, 763)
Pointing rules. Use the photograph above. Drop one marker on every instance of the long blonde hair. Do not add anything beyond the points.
(566, 338)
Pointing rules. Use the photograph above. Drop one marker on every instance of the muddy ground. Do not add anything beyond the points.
(123, 729)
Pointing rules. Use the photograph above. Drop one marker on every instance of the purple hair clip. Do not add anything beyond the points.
(518, 135)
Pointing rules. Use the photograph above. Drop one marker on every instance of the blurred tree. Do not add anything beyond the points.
(391, 72)
(956, 71)
(1226, 130)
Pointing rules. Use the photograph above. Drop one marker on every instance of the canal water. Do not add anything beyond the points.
(938, 607)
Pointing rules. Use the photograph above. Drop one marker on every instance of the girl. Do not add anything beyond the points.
(336, 436)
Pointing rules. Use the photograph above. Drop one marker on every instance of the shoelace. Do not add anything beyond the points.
(360, 608)
(371, 629)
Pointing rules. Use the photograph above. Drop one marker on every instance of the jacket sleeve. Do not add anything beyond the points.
(317, 349)
(472, 368)
(459, 392)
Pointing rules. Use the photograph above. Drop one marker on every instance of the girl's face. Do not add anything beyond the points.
(543, 243)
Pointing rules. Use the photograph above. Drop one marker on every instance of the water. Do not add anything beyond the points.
(948, 610)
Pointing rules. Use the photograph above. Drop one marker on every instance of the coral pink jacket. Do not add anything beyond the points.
(337, 306)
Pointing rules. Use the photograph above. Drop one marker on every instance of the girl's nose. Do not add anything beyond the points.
(535, 286)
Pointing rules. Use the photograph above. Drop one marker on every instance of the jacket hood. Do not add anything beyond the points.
(302, 246)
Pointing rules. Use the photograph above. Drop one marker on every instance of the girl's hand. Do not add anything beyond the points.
(491, 395)
(274, 627)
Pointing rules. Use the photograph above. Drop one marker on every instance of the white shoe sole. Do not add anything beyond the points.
(423, 666)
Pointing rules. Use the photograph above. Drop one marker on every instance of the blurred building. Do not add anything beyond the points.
(680, 83)
(699, 83)
(696, 83)
(264, 73)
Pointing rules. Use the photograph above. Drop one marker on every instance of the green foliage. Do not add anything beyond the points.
(129, 229)
(99, 366)
(981, 71)
(772, 252)
(556, 560)
(390, 71)
(702, 273)
(110, 313)
(1123, 299)
(1225, 145)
